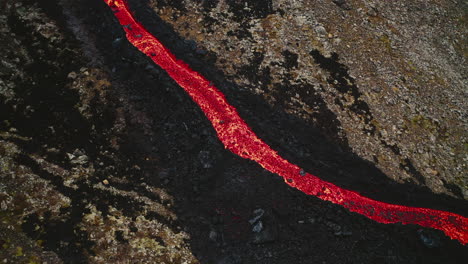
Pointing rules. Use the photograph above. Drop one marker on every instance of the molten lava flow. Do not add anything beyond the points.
(237, 136)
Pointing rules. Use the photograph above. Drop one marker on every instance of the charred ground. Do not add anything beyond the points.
(104, 158)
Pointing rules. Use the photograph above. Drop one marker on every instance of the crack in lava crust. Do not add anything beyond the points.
(239, 138)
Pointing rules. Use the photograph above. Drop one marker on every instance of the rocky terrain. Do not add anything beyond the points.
(103, 158)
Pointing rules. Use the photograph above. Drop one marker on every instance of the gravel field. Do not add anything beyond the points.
(105, 159)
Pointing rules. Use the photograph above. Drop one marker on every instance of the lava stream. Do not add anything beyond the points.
(239, 138)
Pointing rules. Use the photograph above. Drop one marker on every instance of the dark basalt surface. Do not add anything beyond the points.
(103, 158)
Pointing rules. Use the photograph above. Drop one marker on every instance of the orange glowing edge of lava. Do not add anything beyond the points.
(239, 138)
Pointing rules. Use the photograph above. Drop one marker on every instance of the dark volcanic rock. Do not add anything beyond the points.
(103, 158)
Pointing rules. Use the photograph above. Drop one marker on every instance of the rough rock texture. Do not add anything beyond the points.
(103, 158)
(386, 79)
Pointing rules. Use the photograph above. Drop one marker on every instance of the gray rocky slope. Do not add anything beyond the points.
(103, 158)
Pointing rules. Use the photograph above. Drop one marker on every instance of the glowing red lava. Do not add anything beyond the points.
(239, 138)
